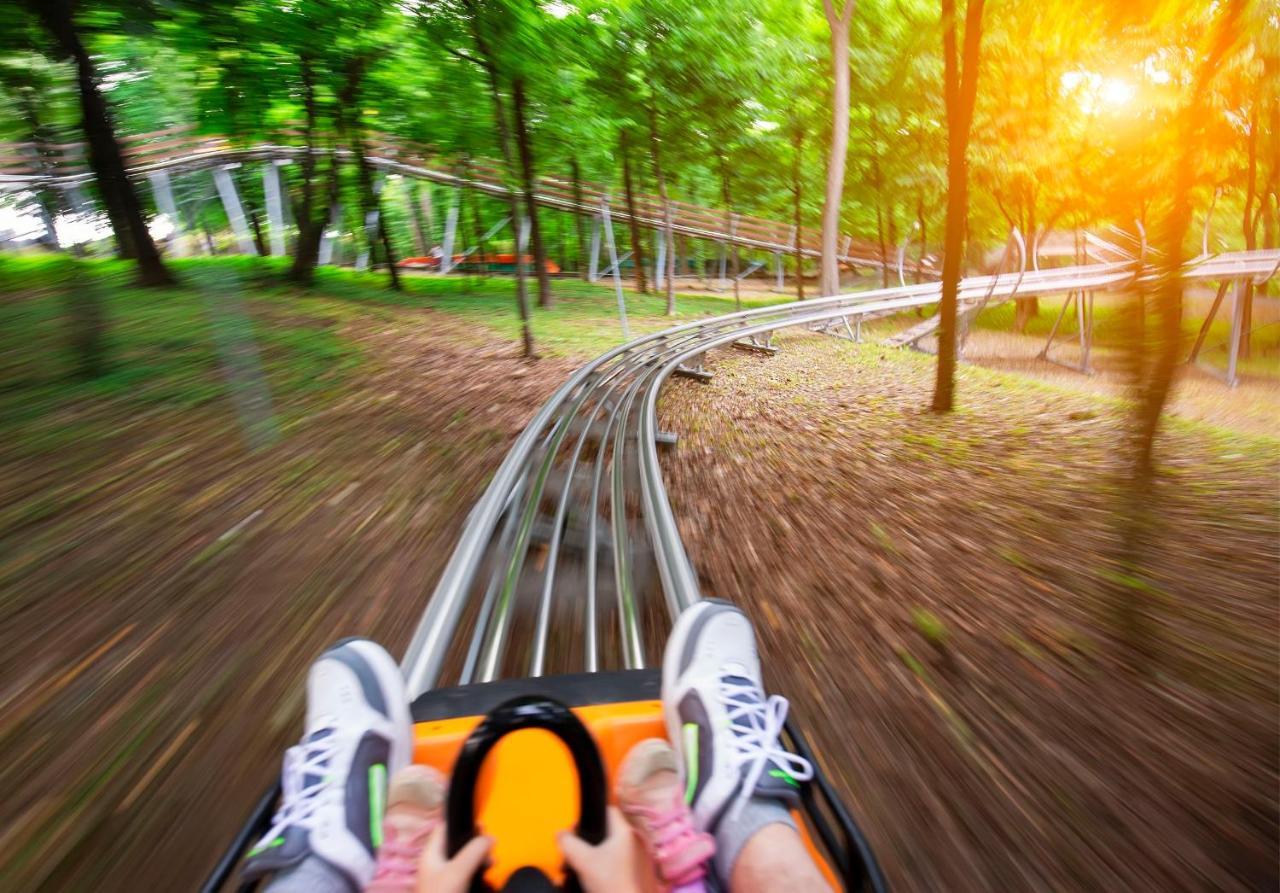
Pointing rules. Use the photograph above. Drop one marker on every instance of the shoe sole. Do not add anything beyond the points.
(391, 683)
(688, 623)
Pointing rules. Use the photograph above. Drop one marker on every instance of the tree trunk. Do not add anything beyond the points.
(1250, 224)
(669, 263)
(797, 195)
(525, 147)
(87, 325)
(105, 158)
(477, 225)
(839, 25)
(349, 123)
(311, 222)
(1155, 390)
(726, 194)
(1027, 309)
(879, 185)
(637, 243)
(923, 225)
(576, 173)
(961, 86)
(490, 67)
(415, 218)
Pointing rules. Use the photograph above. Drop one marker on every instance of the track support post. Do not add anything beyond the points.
(235, 212)
(275, 206)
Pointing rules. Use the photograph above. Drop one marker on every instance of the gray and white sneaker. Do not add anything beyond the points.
(334, 784)
(719, 718)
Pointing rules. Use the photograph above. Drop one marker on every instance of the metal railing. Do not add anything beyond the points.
(24, 166)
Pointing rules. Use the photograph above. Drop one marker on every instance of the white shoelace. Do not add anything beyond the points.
(756, 725)
(299, 799)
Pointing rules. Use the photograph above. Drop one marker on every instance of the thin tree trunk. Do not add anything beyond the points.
(839, 25)
(1027, 309)
(878, 180)
(525, 147)
(961, 86)
(504, 141)
(1153, 381)
(1155, 392)
(87, 325)
(637, 243)
(924, 240)
(477, 227)
(311, 222)
(415, 218)
(669, 262)
(576, 173)
(726, 193)
(105, 157)
(349, 121)
(797, 195)
(1250, 226)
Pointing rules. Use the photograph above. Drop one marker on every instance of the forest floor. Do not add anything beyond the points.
(938, 597)
(163, 587)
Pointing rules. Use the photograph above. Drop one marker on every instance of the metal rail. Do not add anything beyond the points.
(30, 169)
(597, 439)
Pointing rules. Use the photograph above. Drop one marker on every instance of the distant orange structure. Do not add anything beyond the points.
(497, 263)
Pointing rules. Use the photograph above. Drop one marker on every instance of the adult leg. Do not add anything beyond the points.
(740, 782)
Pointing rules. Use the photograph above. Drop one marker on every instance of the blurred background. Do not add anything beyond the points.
(282, 280)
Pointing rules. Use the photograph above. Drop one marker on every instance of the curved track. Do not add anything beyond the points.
(572, 560)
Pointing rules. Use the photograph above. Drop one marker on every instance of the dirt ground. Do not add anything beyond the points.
(938, 597)
(944, 635)
(155, 588)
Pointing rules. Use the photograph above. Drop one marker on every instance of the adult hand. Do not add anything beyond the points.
(440, 874)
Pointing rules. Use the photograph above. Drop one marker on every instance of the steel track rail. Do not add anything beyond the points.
(208, 157)
(615, 397)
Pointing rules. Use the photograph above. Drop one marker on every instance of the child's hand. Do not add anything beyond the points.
(613, 866)
(438, 874)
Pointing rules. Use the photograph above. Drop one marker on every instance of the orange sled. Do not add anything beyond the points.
(528, 758)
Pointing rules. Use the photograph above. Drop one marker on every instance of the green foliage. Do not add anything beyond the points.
(1077, 105)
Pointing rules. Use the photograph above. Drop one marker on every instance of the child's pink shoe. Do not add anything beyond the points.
(415, 807)
(649, 795)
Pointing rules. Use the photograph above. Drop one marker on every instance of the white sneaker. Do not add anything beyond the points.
(358, 734)
(719, 718)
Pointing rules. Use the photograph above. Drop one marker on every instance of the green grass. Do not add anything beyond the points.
(583, 320)
(162, 344)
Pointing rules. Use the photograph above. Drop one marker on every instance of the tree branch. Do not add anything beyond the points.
(467, 57)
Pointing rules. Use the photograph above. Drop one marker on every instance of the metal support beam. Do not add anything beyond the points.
(450, 229)
(235, 213)
(1237, 320)
(328, 242)
(1208, 320)
(428, 213)
(275, 206)
(489, 234)
(660, 263)
(753, 347)
(162, 189)
(751, 268)
(614, 264)
(777, 262)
